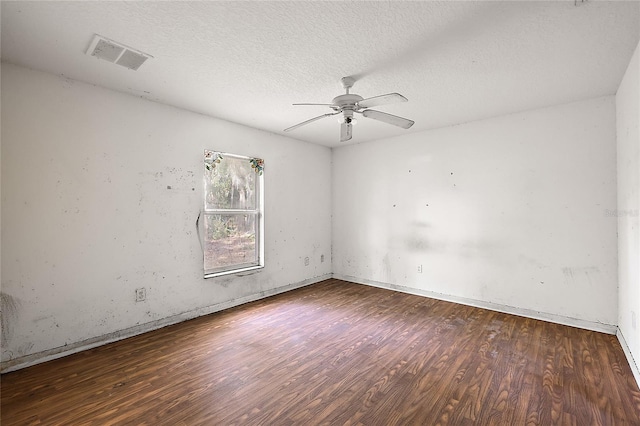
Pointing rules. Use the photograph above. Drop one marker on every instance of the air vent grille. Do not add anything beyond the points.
(117, 53)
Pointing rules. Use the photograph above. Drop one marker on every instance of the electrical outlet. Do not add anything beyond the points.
(419, 269)
(322, 258)
(306, 261)
(141, 294)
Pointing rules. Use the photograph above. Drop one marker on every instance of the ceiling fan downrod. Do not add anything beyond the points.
(347, 83)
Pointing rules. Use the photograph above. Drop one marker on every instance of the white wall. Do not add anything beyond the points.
(510, 212)
(628, 122)
(88, 216)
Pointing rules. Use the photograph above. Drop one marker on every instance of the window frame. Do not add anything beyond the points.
(258, 213)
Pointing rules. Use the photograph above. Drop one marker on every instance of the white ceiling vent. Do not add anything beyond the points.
(109, 50)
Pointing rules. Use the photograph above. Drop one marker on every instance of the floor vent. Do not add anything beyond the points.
(109, 50)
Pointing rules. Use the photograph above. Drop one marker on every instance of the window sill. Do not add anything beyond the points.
(240, 272)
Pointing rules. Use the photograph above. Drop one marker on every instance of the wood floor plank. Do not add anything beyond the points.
(336, 353)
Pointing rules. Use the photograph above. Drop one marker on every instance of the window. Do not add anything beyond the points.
(233, 214)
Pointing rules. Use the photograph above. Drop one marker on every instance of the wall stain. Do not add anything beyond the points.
(225, 281)
(418, 224)
(415, 243)
(10, 310)
(584, 276)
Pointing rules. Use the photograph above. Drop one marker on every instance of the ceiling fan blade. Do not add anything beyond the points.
(315, 104)
(310, 121)
(389, 98)
(388, 118)
(345, 132)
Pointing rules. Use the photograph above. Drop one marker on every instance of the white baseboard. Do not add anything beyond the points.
(51, 354)
(528, 313)
(630, 360)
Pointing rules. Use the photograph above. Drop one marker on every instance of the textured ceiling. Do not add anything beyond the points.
(247, 62)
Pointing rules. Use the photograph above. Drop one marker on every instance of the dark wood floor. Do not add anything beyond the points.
(341, 354)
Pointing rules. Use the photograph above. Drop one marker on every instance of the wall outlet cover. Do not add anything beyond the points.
(141, 294)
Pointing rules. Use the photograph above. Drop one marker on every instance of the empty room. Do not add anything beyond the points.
(306, 212)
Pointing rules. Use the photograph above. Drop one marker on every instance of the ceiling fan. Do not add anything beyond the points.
(350, 103)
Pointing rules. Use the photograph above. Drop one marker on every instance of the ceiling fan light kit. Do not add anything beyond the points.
(350, 103)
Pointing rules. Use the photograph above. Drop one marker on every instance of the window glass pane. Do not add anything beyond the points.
(230, 239)
(231, 184)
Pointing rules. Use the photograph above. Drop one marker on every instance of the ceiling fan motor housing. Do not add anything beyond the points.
(347, 101)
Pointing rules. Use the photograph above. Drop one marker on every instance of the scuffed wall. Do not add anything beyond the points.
(100, 195)
(628, 210)
(509, 211)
